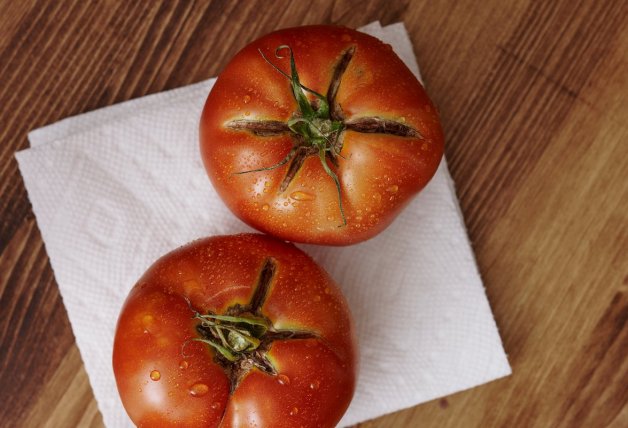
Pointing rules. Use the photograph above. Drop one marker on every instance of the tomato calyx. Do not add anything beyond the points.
(317, 127)
(242, 336)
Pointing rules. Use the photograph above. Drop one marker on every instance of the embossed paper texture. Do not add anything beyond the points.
(114, 189)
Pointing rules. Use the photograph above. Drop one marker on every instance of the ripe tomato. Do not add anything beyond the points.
(312, 128)
(235, 331)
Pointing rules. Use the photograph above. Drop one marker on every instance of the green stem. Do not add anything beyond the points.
(332, 174)
(243, 320)
(223, 351)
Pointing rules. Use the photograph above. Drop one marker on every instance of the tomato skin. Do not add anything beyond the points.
(379, 173)
(164, 379)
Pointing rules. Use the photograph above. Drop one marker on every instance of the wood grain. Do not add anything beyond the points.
(533, 98)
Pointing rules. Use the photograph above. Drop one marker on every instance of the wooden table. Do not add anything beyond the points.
(534, 102)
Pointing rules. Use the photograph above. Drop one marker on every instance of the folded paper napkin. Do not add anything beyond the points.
(116, 188)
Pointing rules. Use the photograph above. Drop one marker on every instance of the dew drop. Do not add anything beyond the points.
(155, 375)
(148, 322)
(377, 197)
(183, 365)
(198, 390)
(392, 189)
(215, 405)
(247, 113)
(294, 411)
(285, 204)
(265, 207)
(247, 98)
(327, 290)
(283, 380)
(302, 196)
(314, 385)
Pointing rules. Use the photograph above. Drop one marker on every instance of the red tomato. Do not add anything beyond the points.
(319, 134)
(235, 331)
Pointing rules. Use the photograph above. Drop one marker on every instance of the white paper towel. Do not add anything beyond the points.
(116, 188)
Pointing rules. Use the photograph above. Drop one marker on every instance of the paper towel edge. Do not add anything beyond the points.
(445, 395)
(20, 157)
(63, 127)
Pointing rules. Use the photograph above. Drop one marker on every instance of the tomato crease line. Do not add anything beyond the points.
(339, 70)
(261, 128)
(378, 125)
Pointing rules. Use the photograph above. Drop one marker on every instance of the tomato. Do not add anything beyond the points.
(235, 331)
(319, 134)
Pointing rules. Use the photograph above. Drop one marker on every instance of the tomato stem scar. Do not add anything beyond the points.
(241, 337)
(317, 127)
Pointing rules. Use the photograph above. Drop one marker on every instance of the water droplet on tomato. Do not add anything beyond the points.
(148, 322)
(198, 390)
(294, 411)
(247, 113)
(314, 385)
(377, 197)
(327, 290)
(302, 196)
(155, 375)
(246, 99)
(183, 365)
(283, 380)
(392, 189)
(265, 207)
